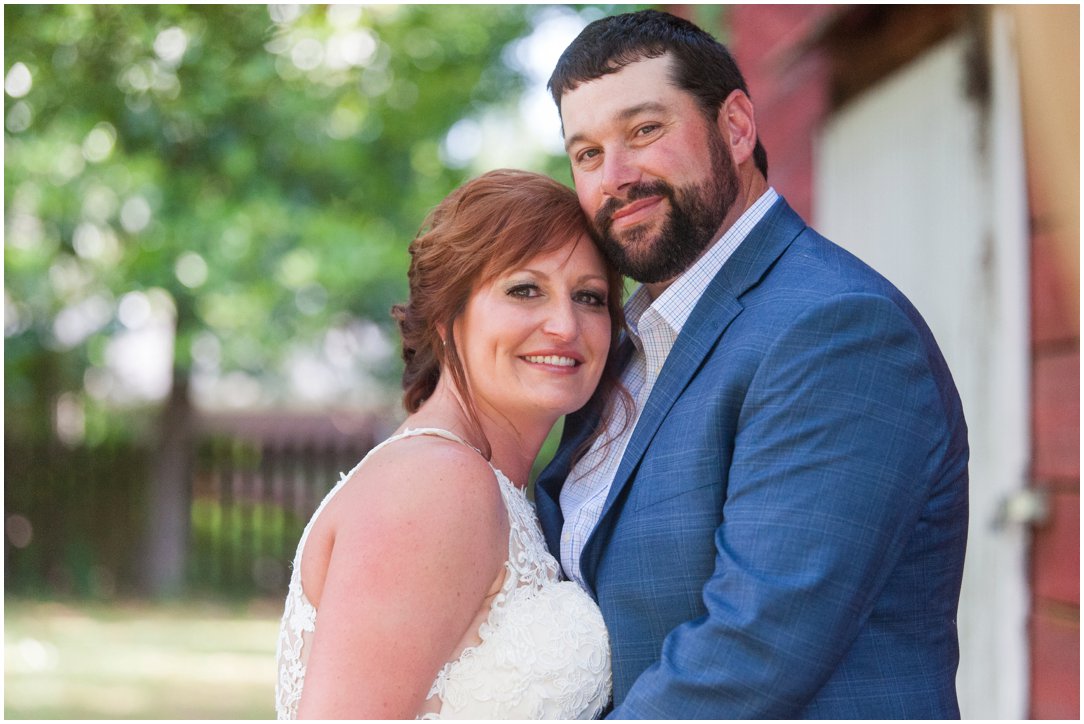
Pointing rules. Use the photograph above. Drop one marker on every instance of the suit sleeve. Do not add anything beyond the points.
(829, 476)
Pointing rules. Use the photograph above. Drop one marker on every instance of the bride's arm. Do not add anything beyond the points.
(418, 540)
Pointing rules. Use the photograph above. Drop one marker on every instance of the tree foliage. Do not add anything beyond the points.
(257, 170)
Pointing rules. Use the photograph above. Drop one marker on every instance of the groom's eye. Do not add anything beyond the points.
(587, 155)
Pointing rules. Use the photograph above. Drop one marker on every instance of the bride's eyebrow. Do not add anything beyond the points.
(524, 270)
(592, 278)
(544, 275)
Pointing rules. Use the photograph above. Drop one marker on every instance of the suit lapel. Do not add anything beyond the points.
(714, 312)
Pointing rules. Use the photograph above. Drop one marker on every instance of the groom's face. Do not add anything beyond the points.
(652, 173)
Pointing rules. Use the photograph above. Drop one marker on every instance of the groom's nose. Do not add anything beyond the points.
(619, 173)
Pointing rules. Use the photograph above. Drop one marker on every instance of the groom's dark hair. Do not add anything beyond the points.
(703, 66)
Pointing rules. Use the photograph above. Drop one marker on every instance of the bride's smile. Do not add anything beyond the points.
(534, 339)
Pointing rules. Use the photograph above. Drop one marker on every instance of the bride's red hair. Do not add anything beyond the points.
(489, 225)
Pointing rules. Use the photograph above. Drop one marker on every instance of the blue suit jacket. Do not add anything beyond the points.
(785, 535)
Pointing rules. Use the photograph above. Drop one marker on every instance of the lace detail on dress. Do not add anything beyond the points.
(298, 619)
(523, 571)
(543, 650)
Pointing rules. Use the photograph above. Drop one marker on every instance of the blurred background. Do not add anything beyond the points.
(206, 215)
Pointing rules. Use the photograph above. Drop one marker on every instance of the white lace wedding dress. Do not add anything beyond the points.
(544, 651)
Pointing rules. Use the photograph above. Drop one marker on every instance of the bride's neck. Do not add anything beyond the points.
(514, 443)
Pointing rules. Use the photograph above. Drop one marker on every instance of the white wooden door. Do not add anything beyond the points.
(927, 185)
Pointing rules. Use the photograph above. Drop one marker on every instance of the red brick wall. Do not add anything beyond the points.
(1054, 624)
(790, 92)
(1048, 43)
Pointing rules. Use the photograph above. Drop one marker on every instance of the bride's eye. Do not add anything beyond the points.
(523, 291)
(590, 298)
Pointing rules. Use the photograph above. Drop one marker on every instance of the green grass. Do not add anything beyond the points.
(192, 660)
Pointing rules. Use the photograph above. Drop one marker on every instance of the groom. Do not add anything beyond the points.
(779, 528)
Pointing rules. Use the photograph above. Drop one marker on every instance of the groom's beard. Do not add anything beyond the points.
(696, 213)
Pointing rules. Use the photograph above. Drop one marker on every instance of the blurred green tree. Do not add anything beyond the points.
(256, 171)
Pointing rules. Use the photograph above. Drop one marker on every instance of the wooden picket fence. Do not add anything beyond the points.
(250, 504)
(76, 518)
(70, 516)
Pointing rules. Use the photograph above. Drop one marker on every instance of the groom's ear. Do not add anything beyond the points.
(737, 124)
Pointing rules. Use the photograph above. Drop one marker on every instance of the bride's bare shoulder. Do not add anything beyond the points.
(413, 544)
(423, 474)
(415, 501)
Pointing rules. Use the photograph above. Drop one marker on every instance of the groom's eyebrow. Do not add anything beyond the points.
(623, 115)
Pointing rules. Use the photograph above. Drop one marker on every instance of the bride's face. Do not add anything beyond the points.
(534, 339)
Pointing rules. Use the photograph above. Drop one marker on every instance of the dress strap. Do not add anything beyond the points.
(434, 431)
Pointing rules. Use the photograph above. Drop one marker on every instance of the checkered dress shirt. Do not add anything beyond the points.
(654, 327)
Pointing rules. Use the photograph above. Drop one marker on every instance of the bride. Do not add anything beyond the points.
(422, 585)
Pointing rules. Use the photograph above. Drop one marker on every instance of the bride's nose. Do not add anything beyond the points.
(561, 321)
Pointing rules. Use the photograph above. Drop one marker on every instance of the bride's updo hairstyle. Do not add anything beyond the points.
(487, 226)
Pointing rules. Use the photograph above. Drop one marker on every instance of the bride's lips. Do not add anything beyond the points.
(563, 361)
(635, 211)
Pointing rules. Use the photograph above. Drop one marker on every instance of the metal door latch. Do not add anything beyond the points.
(1027, 506)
